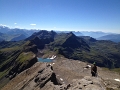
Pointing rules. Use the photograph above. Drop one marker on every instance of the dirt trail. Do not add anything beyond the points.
(68, 70)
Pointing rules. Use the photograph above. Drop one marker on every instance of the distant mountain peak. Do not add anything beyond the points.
(112, 37)
(43, 34)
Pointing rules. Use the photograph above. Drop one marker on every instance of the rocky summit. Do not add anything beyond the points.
(63, 74)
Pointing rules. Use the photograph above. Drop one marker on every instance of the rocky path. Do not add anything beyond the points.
(63, 74)
(74, 69)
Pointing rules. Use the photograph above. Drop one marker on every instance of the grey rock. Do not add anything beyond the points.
(88, 83)
(93, 87)
(45, 75)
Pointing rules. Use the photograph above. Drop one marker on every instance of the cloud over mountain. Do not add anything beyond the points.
(33, 24)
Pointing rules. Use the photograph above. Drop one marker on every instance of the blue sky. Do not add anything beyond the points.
(73, 15)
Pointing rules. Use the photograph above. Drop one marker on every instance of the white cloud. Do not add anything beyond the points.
(33, 24)
(3, 25)
(15, 23)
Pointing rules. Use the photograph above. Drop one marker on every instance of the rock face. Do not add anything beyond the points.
(87, 83)
(41, 76)
(37, 77)
(45, 75)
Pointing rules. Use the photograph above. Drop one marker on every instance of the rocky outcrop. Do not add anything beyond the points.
(87, 83)
(62, 75)
(37, 77)
(45, 75)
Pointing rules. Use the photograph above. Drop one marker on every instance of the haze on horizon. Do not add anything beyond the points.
(67, 15)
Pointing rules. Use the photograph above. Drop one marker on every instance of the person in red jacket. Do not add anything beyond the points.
(94, 70)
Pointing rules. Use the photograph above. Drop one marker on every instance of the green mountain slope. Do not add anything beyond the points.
(15, 59)
(69, 45)
(104, 53)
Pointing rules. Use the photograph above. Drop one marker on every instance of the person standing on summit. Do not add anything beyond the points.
(94, 70)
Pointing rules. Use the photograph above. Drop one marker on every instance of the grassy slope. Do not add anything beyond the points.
(10, 57)
(104, 53)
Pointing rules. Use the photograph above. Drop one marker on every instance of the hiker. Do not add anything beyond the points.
(94, 70)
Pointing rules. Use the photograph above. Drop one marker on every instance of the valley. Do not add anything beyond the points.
(71, 54)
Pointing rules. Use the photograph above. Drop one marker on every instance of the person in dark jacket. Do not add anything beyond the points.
(94, 70)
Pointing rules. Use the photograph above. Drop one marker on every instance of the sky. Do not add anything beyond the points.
(67, 15)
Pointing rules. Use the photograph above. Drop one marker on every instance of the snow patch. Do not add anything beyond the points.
(53, 57)
(53, 63)
(117, 80)
(61, 79)
(89, 66)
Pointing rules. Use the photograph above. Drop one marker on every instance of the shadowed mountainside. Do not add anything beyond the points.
(104, 53)
(69, 45)
(15, 59)
(41, 38)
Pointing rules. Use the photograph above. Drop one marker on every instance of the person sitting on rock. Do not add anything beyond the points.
(94, 70)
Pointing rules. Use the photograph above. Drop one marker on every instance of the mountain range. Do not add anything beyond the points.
(14, 34)
(17, 34)
(96, 34)
(17, 56)
(112, 37)
(105, 53)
